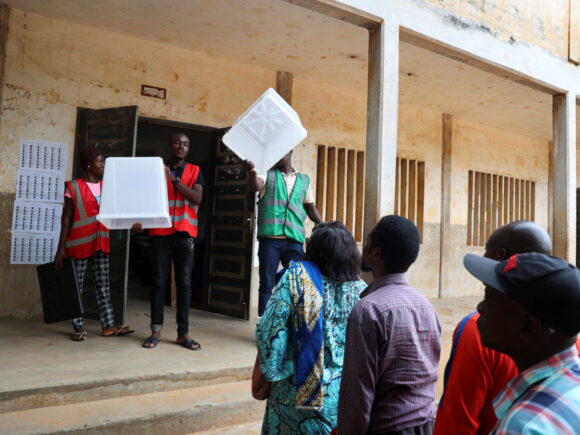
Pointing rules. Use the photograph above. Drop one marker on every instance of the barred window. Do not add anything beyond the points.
(410, 191)
(495, 200)
(340, 181)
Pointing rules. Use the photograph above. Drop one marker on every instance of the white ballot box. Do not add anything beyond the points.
(134, 190)
(266, 132)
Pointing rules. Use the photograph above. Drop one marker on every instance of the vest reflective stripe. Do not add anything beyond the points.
(86, 235)
(83, 240)
(280, 215)
(183, 212)
(288, 224)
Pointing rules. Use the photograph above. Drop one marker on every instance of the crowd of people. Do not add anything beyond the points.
(336, 355)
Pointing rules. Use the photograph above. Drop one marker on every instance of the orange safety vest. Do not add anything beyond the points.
(86, 235)
(183, 213)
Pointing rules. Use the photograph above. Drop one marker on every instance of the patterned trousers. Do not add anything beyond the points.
(100, 267)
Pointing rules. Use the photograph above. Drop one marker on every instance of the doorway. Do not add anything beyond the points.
(152, 137)
(221, 277)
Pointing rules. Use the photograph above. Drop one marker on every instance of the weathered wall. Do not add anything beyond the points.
(481, 148)
(52, 67)
(538, 22)
(419, 137)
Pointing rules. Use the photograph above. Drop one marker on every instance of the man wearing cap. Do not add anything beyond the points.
(466, 404)
(531, 312)
(285, 201)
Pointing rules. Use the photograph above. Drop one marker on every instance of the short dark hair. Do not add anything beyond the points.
(399, 240)
(333, 249)
(177, 133)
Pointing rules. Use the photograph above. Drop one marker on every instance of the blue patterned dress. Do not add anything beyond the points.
(277, 358)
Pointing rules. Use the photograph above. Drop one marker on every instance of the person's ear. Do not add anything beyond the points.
(376, 254)
(531, 326)
(503, 254)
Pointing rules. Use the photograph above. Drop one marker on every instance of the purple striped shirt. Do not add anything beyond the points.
(391, 360)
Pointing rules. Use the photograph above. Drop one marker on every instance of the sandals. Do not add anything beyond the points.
(80, 335)
(116, 331)
(190, 344)
(150, 342)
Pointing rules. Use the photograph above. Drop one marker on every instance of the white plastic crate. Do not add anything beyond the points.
(266, 132)
(134, 190)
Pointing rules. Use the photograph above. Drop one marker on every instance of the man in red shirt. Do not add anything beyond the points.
(475, 374)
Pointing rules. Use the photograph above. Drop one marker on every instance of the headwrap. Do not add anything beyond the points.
(307, 293)
(87, 155)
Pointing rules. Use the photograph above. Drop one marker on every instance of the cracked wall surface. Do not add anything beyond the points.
(538, 22)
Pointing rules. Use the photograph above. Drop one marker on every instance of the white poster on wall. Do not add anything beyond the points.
(38, 205)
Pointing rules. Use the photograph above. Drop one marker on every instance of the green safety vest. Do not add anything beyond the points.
(278, 216)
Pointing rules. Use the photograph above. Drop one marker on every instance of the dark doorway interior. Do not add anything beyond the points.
(152, 137)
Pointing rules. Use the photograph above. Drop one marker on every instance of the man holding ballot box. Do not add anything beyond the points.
(285, 200)
(185, 191)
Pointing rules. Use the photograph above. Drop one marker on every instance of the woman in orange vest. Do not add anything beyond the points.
(86, 240)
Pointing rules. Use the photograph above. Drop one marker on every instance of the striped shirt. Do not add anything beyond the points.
(391, 360)
(544, 399)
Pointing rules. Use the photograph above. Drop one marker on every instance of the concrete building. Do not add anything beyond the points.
(458, 114)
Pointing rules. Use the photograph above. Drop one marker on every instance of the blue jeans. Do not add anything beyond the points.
(270, 253)
(165, 248)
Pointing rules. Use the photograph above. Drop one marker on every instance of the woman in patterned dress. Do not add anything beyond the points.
(333, 250)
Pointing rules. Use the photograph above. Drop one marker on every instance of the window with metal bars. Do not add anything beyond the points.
(495, 200)
(410, 191)
(340, 181)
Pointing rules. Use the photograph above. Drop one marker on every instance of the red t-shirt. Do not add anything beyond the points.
(476, 375)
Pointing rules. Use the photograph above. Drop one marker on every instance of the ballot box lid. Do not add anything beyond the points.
(59, 291)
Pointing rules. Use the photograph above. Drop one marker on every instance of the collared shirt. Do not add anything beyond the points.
(177, 171)
(544, 399)
(290, 179)
(391, 360)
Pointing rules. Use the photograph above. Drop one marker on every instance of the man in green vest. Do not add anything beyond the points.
(285, 200)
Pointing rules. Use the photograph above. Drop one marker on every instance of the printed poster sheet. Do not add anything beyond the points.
(38, 206)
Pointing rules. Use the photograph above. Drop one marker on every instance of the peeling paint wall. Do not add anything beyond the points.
(481, 148)
(52, 67)
(538, 22)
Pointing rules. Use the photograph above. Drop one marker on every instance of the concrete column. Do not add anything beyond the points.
(284, 85)
(564, 190)
(382, 115)
(445, 240)
(4, 11)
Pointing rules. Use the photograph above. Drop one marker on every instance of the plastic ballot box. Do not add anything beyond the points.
(134, 190)
(266, 132)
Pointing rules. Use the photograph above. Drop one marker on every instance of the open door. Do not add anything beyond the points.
(229, 257)
(114, 132)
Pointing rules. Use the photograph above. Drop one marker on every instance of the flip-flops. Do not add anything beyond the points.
(150, 342)
(116, 331)
(79, 335)
(190, 344)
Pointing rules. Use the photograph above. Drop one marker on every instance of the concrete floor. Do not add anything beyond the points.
(35, 355)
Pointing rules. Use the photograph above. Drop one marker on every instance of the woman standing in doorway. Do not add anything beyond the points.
(85, 240)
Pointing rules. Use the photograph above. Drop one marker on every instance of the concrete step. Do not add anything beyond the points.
(170, 412)
(115, 386)
(251, 428)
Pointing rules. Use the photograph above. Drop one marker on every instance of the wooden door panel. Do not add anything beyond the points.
(113, 131)
(230, 249)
